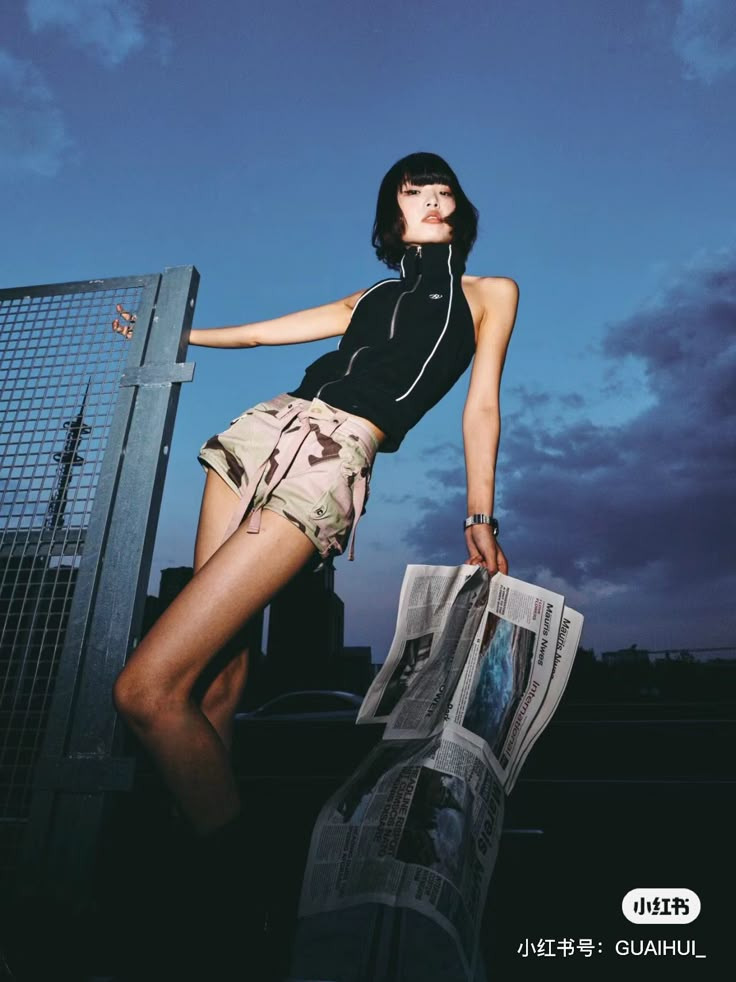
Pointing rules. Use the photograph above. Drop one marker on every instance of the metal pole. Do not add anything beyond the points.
(78, 765)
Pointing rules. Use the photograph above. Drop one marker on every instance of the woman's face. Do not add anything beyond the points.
(425, 210)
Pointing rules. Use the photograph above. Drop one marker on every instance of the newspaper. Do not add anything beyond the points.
(417, 826)
(479, 652)
(440, 609)
(475, 671)
(506, 679)
(568, 640)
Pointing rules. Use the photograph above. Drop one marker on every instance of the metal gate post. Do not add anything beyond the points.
(79, 764)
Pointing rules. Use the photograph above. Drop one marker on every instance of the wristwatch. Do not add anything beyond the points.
(482, 520)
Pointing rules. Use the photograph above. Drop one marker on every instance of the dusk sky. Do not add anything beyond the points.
(597, 139)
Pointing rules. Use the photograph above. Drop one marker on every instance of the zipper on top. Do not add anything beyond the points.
(437, 342)
(403, 294)
(391, 331)
(398, 301)
(346, 372)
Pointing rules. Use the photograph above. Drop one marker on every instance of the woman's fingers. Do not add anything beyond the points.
(132, 318)
(128, 320)
(475, 549)
(125, 329)
(484, 550)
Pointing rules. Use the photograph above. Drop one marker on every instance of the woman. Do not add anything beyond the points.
(297, 467)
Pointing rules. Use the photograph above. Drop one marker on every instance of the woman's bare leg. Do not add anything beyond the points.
(223, 694)
(222, 697)
(154, 690)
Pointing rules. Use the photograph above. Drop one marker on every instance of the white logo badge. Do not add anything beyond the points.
(662, 905)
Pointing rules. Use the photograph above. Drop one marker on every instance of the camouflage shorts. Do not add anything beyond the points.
(305, 460)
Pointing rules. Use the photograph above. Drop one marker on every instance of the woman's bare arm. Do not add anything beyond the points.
(312, 324)
(482, 416)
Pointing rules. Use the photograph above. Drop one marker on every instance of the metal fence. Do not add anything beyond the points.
(86, 418)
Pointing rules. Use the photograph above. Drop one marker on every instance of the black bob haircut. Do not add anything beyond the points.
(419, 169)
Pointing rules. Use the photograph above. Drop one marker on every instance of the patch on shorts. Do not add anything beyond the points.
(235, 470)
(272, 465)
(330, 447)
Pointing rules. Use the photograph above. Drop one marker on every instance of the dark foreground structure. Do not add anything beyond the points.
(605, 805)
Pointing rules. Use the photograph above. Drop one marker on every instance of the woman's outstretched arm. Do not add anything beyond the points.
(482, 416)
(312, 324)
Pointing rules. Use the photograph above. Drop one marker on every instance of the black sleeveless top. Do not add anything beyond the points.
(408, 341)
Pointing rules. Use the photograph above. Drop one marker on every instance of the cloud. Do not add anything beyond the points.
(33, 133)
(111, 30)
(629, 517)
(705, 38)
(20, 76)
(439, 449)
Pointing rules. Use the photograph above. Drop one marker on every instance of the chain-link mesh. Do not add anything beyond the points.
(60, 368)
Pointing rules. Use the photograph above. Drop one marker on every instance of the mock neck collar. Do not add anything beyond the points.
(431, 259)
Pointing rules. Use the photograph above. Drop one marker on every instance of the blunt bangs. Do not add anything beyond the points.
(419, 169)
(421, 179)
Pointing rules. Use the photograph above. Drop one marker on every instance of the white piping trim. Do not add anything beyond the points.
(447, 321)
(391, 279)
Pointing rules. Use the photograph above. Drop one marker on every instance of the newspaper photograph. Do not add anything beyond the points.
(506, 678)
(417, 826)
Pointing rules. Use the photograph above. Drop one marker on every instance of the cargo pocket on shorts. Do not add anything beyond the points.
(332, 514)
(333, 505)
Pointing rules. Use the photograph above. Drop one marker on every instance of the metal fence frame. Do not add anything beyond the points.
(81, 762)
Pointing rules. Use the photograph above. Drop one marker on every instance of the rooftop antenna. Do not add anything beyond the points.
(67, 459)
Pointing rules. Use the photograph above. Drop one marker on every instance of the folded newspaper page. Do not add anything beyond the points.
(440, 608)
(507, 675)
(477, 651)
(568, 640)
(476, 668)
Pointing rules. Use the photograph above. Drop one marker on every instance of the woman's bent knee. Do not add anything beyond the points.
(142, 703)
(127, 697)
